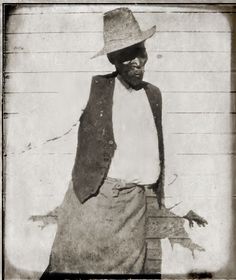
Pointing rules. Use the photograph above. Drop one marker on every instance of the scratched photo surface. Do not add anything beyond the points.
(48, 72)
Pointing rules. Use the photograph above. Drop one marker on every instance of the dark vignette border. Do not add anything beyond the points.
(230, 270)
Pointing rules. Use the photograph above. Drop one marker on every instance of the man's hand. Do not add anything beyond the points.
(191, 216)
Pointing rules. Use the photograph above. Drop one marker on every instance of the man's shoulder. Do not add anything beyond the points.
(152, 87)
(104, 78)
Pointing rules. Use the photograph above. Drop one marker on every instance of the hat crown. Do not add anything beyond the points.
(121, 30)
(120, 24)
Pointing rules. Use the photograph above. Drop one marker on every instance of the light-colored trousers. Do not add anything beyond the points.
(106, 234)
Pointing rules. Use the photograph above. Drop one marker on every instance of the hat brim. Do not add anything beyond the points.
(122, 44)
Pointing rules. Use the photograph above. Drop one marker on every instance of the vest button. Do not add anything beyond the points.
(106, 156)
(110, 142)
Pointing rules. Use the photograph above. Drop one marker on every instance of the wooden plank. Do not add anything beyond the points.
(198, 123)
(216, 186)
(77, 22)
(46, 82)
(179, 186)
(217, 124)
(179, 143)
(155, 253)
(172, 102)
(201, 164)
(93, 42)
(211, 188)
(49, 62)
(46, 185)
(198, 101)
(25, 9)
(64, 135)
(165, 227)
(184, 163)
(186, 145)
(152, 266)
(200, 144)
(168, 81)
(36, 103)
(185, 22)
(154, 256)
(180, 165)
(153, 244)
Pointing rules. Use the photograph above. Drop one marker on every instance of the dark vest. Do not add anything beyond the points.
(96, 143)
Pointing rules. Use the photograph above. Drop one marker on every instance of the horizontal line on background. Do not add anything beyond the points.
(179, 154)
(11, 113)
(202, 133)
(180, 196)
(47, 72)
(99, 32)
(198, 174)
(154, 196)
(163, 217)
(26, 52)
(42, 52)
(187, 91)
(138, 12)
(164, 92)
(201, 113)
(105, 71)
(206, 154)
(154, 238)
(26, 92)
(53, 32)
(42, 154)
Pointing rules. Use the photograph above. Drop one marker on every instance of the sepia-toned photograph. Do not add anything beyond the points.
(119, 141)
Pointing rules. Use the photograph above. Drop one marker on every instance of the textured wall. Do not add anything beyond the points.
(48, 72)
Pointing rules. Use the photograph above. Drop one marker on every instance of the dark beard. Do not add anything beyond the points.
(133, 77)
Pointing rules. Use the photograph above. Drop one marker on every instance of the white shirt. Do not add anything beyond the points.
(136, 159)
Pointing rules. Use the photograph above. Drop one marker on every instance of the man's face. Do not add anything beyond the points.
(130, 63)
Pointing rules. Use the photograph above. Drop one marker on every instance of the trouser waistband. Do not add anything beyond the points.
(119, 185)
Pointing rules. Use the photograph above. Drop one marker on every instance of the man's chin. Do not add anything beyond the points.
(135, 80)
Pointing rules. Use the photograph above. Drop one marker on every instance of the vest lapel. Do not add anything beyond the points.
(153, 101)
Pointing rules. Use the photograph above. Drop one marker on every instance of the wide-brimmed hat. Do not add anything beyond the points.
(122, 30)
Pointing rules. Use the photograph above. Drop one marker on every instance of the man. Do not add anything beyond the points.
(120, 152)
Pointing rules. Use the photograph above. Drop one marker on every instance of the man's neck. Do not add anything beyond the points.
(129, 86)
